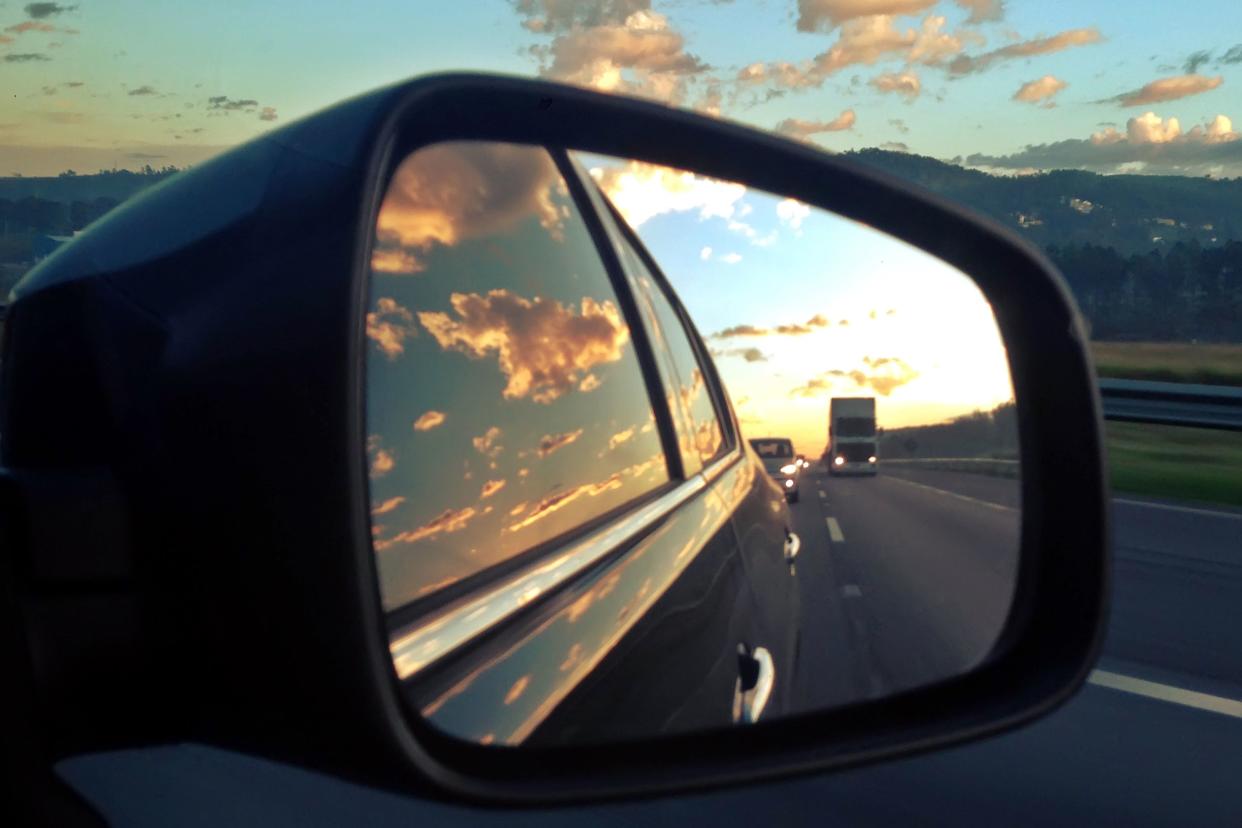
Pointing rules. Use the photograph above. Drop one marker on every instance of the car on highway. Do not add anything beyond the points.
(780, 463)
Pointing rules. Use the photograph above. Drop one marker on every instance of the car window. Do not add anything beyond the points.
(505, 404)
(773, 448)
(700, 435)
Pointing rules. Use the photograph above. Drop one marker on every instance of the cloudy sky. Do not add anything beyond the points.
(1002, 84)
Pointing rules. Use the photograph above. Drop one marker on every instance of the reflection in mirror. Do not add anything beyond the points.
(653, 453)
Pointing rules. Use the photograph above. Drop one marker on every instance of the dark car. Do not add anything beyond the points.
(780, 463)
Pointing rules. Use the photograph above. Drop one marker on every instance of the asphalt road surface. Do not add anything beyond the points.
(905, 579)
(1155, 738)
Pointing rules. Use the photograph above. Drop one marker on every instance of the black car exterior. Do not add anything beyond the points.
(686, 589)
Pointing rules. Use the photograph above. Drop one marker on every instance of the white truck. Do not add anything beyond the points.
(852, 444)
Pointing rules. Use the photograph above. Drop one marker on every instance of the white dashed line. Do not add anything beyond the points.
(966, 498)
(1166, 693)
(834, 530)
(851, 591)
(823, 495)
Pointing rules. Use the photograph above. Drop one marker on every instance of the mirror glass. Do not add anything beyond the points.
(652, 453)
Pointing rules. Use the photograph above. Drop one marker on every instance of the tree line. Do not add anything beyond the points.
(992, 434)
(1188, 292)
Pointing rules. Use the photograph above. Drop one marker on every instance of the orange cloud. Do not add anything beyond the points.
(884, 375)
(549, 443)
(1040, 90)
(798, 128)
(824, 15)
(621, 437)
(1169, 89)
(429, 420)
(394, 260)
(388, 326)
(906, 84)
(450, 520)
(638, 54)
(862, 41)
(450, 192)
(965, 65)
(486, 443)
(388, 505)
(382, 463)
(983, 11)
(491, 487)
(543, 347)
(552, 503)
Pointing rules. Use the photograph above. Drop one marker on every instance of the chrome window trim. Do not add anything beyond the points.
(426, 641)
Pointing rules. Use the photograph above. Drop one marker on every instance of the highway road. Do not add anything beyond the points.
(905, 579)
(1155, 738)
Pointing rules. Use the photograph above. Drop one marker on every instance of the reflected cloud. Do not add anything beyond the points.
(518, 688)
(450, 192)
(886, 374)
(543, 347)
(643, 191)
(621, 437)
(389, 325)
(486, 444)
(394, 260)
(491, 487)
(792, 329)
(450, 520)
(549, 443)
(429, 420)
(552, 503)
(387, 506)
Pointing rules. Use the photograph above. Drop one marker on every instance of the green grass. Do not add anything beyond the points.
(1175, 462)
(1169, 362)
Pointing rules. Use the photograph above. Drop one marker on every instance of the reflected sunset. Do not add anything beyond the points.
(799, 305)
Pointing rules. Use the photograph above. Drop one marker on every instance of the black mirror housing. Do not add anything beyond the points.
(202, 351)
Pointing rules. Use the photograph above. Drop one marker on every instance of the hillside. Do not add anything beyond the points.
(1129, 213)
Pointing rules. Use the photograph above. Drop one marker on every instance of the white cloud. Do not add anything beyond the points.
(731, 258)
(1150, 144)
(642, 191)
(791, 212)
(705, 253)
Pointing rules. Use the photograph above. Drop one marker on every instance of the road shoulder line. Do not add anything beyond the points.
(966, 498)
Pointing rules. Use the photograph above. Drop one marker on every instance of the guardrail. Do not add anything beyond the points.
(1172, 403)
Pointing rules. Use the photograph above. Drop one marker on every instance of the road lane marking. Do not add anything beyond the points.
(823, 495)
(1166, 693)
(834, 530)
(1171, 508)
(851, 591)
(966, 498)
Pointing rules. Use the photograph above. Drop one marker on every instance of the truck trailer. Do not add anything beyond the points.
(852, 444)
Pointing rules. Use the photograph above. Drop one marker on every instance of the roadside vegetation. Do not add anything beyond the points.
(1206, 363)
(1175, 462)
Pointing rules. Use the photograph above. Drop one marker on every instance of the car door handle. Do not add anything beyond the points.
(756, 675)
(792, 545)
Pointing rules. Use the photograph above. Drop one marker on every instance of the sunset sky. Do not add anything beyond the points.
(799, 305)
(1003, 84)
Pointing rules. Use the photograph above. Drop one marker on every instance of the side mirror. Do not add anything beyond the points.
(231, 475)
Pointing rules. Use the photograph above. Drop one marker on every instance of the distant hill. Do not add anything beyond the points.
(1130, 213)
(117, 185)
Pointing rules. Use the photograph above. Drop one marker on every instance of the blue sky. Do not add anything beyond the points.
(266, 63)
